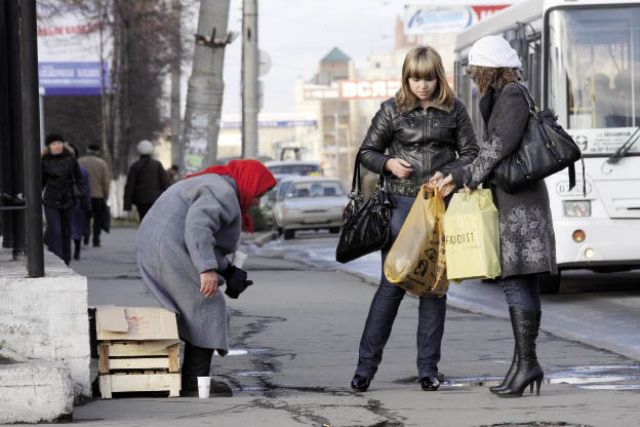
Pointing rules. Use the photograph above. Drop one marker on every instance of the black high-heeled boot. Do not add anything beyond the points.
(514, 363)
(526, 325)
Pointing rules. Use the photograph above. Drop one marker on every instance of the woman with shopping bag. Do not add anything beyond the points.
(421, 130)
(527, 240)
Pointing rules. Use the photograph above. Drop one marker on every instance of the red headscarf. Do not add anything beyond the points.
(252, 178)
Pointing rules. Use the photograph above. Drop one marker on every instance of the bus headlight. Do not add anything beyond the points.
(575, 208)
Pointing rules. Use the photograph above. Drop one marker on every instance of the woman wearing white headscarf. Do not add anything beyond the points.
(527, 240)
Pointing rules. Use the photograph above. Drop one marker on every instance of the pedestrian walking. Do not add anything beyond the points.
(146, 180)
(81, 208)
(527, 240)
(182, 246)
(100, 183)
(61, 182)
(424, 128)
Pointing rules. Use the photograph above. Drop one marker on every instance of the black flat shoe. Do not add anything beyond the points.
(360, 383)
(429, 383)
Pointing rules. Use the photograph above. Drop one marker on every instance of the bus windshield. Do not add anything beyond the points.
(594, 75)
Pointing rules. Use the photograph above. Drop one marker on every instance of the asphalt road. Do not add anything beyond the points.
(602, 310)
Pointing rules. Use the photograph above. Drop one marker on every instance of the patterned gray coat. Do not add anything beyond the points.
(189, 230)
(527, 240)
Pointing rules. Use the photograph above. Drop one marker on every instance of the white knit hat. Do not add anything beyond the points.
(494, 52)
(145, 147)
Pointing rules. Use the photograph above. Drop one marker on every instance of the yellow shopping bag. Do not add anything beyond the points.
(416, 260)
(471, 236)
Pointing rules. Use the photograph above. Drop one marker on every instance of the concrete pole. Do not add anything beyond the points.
(206, 87)
(176, 68)
(31, 138)
(250, 87)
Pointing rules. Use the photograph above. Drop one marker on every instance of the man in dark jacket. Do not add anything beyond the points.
(146, 180)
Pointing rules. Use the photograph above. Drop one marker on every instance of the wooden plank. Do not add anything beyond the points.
(103, 358)
(135, 349)
(174, 358)
(138, 363)
(105, 386)
(143, 382)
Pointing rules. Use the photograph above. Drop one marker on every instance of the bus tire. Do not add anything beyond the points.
(549, 283)
(289, 234)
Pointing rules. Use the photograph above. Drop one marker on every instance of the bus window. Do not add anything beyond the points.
(594, 68)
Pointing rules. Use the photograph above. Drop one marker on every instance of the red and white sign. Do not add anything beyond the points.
(367, 89)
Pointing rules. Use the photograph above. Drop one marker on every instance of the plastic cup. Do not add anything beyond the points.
(239, 258)
(203, 387)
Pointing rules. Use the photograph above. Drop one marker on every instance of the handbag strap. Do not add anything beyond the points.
(356, 182)
(572, 169)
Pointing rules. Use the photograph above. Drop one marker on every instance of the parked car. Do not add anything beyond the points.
(268, 201)
(309, 203)
(295, 167)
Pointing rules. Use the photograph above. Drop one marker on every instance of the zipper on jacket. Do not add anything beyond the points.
(427, 160)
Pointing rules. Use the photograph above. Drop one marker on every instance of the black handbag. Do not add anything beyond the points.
(544, 150)
(366, 225)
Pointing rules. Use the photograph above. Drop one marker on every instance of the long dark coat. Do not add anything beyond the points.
(527, 239)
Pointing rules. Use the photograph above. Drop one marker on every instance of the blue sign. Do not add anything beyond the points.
(272, 124)
(71, 78)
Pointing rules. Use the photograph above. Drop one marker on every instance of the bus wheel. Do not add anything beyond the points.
(549, 283)
(289, 234)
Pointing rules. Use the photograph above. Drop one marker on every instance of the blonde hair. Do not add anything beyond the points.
(423, 63)
(485, 77)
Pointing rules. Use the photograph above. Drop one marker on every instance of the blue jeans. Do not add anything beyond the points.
(384, 309)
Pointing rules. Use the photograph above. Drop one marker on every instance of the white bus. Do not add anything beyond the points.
(580, 58)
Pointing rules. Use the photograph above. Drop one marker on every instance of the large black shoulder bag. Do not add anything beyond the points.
(544, 150)
(366, 225)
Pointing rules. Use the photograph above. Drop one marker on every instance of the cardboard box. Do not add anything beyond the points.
(135, 323)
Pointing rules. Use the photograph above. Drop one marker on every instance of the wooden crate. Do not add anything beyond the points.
(128, 382)
(138, 366)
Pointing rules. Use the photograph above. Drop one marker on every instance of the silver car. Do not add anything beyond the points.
(309, 203)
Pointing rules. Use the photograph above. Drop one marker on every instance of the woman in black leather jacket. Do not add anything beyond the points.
(60, 172)
(422, 130)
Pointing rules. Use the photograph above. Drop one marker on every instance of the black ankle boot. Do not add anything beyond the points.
(76, 250)
(197, 363)
(528, 371)
(360, 383)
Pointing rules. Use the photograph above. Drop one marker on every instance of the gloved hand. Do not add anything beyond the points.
(237, 282)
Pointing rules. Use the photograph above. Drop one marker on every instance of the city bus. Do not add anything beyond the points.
(581, 58)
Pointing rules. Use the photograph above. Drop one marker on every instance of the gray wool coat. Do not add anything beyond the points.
(187, 231)
(527, 239)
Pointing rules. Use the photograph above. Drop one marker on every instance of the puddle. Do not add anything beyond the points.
(585, 376)
(611, 387)
(254, 373)
(243, 352)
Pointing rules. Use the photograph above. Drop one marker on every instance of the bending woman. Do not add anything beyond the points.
(182, 246)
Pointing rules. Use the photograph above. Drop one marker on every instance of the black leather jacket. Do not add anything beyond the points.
(436, 139)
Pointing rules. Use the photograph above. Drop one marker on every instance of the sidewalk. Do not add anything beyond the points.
(294, 338)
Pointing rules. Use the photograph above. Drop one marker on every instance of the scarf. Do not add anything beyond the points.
(252, 178)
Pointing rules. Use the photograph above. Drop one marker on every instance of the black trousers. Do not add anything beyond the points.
(143, 209)
(98, 211)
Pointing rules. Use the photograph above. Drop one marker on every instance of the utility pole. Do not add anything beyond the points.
(176, 73)
(250, 87)
(206, 86)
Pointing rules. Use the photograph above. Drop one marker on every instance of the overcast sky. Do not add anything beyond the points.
(298, 33)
